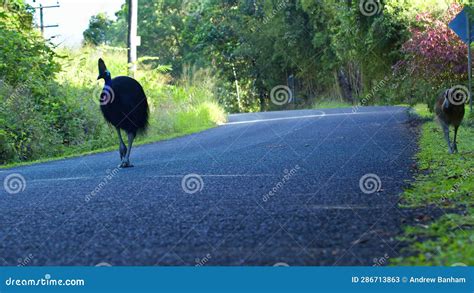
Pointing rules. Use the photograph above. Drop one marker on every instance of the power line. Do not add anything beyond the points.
(41, 8)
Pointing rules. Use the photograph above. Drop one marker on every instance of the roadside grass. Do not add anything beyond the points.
(422, 111)
(336, 104)
(89, 150)
(445, 184)
(330, 104)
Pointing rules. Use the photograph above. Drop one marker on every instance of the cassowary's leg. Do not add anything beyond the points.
(126, 160)
(446, 135)
(455, 145)
(122, 147)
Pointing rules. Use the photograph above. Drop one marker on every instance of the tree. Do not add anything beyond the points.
(328, 49)
(99, 30)
(435, 58)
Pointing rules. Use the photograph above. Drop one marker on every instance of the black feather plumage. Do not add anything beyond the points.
(123, 102)
(124, 105)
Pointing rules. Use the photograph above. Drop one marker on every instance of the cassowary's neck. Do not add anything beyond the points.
(108, 81)
(446, 104)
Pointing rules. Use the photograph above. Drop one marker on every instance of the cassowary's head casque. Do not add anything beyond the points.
(103, 72)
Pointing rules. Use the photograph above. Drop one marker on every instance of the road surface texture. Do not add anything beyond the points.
(311, 187)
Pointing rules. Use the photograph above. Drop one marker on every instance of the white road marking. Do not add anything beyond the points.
(62, 179)
(100, 176)
(157, 177)
(311, 116)
(342, 207)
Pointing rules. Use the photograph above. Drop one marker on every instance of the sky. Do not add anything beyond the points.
(73, 17)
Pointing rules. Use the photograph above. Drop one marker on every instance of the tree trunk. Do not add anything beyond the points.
(345, 86)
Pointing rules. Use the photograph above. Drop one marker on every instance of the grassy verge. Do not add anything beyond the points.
(445, 187)
(330, 104)
(72, 153)
(335, 104)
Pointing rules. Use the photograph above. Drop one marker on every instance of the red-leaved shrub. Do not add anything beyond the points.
(434, 52)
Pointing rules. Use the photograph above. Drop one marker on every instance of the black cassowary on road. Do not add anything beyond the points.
(124, 105)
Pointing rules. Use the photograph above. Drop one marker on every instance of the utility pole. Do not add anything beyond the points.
(41, 8)
(132, 36)
(41, 19)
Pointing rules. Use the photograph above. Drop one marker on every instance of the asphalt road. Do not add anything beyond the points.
(267, 188)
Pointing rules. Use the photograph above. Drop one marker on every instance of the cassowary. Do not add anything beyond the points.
(449, 110)
(124, 105)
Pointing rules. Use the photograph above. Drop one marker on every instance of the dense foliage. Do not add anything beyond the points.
(27, 67)
(320, 49)
(434, 57)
